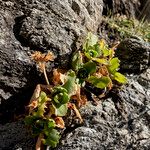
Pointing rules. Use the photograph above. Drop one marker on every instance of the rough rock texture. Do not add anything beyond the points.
(144, 10)
(134, 55)
(119, 122)
(16, 137)
(123, 7)
(40, 25)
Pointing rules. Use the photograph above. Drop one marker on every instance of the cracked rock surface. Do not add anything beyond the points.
(121, 121)
(28, 25)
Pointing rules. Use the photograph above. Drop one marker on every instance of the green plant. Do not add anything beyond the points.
(128, 27)
(97, 64)
(94, 65)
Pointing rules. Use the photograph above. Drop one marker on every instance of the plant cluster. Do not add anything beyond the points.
(94, 66)
(129, 27)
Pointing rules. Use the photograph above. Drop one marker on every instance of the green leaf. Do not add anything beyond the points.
(106, 52)
(60, 95)
(114, 64)
(101, 60)
(99, 82)
(61, 98)
(97, 49)
(38, 126)
(91, 40)
(59, 110)
(50, 123)
(120, 78)
(52, 138)
(29, 120)
(70, 83)
(41, 105)
(42, 98)
(91, 53)
(90, 67)
(77, 61)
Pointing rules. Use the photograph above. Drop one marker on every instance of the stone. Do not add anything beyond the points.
(29, 25)
(130, 8)
(119, 122)
(134, 54)
(16, 137)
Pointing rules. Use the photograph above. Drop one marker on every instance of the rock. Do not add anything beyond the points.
(17, 137)
(119, 122)
(42, 25)
(57, 25)
(130, 8)
(143, 79)
(134, 55)
(144, 10)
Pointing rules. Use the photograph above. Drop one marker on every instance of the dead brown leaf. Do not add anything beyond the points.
(73, 107)
(39, 142)
(60, 122)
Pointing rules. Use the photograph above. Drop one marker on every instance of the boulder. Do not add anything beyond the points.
(29, 25)
(119, 122)
(134, 55)
(130, 8)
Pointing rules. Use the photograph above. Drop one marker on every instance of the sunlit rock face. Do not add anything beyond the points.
(29, 25)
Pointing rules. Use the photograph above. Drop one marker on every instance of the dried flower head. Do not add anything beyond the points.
(39, 57)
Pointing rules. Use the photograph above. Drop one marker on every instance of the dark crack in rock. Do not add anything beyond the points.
(134, 55)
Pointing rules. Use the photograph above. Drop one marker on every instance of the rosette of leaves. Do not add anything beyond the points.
(61, 94)
(96, 64)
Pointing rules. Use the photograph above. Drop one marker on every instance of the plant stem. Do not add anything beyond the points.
(45, 75)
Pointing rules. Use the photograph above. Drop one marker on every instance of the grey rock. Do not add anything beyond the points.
(15, 136)
(134, 55)
(16, 69)
(130, 8)
(42, 25)
(119, 122)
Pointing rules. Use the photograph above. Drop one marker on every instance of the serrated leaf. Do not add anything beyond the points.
(114, 65)
(42, 98)
(99, 82)
(77, 61)
(52, 138)
(120, 78)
